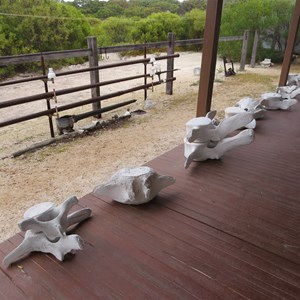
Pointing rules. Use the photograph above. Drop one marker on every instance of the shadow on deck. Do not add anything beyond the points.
(226, 229)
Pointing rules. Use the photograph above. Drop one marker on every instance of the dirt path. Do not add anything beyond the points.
(76, 167)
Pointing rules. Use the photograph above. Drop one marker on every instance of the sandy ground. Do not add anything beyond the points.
(75, 167)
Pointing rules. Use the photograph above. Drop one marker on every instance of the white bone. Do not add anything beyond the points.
(289, 92)
(273, 96)
(52, 220)
(202, 130)
(274, 101)
(38, 242)
(233, 110)
(46, 225)
(251, 105)
(211, 114)
(134, 185)
(201, 151)
(266, 63)
(293, 79)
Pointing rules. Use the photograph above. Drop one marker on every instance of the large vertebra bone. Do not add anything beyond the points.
(201, 151)
(38, 242)
(52, 220)
(274, 101)
(293, 79)
(46, 225)
(134, 185)
(202, 130)
(253, 106)
(233, 110)
(289, 92)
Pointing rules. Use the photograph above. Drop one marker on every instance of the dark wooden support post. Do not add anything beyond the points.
(254, 49)
(170, 63)
(209, 56)
(94, 75)
(290, 45)
(244, 50)
(145, 72)
(47, 99)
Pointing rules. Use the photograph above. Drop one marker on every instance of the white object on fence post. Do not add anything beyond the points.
(51, 75)
(134, 185)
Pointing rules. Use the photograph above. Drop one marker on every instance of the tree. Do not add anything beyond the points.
(270, 17)
(44, 26)
(193, 23)
(113, 8)
(134, 8)
(189, 5)
(156, 27)
(114, 31)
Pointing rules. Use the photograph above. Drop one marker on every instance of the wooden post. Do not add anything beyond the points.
(94, 75)
(290, 45)
(145, 72)
(244, 50)
(209, 56)
(48, 99)
(254, 49)
(170, 63)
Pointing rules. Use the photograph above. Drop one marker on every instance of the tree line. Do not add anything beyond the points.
(135, 8)
(28, 26)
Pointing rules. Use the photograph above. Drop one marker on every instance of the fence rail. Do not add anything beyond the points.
(93, 53)
(55, 55)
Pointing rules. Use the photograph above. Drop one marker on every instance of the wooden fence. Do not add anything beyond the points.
(93, 52)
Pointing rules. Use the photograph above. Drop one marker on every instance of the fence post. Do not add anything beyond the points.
(94, 75)
(145, 72)
(48, 99)
(170, 63)
(244, 50)
(254, 49)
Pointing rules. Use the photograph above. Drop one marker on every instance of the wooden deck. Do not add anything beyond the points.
(226, 229)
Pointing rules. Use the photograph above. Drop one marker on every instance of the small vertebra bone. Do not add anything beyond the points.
(134, 185)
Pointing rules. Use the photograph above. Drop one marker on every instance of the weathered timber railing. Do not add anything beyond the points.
(54, 55)
(93, 53)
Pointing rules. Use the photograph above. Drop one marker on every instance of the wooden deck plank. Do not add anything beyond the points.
(29, 285)
(53, 284)
(220, 261)
(145, 247)
(9, 290)
(227, 229)
(226, 181)
(242, 225)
